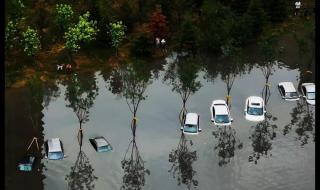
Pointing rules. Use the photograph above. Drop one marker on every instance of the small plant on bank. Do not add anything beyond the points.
(31, 42)
(64, 15)
(117, 34)
(11, 35)
(83, 32)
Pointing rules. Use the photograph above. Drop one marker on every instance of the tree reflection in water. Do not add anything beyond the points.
(263, 133)
(227, 143)
(81, 175)
(303, 121)
(131, 81)
(80, 93)
(182, 159)
(133, 165)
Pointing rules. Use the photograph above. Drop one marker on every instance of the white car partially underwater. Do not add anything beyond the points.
(308, 91)
(220, 113)
(288, 92)
(254, 109)
(54, 149)
(192, 124)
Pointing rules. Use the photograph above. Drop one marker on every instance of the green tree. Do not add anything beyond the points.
(64, 15)
(217, 21)
(11, 35)
(83, 32)
(117, 33)
(257, 16)
(31, 42)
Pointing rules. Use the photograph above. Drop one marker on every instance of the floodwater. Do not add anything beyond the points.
(150, 152)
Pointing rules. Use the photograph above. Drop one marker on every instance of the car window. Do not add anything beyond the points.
(282, 90)
(190, 128)
(311, 95)
(255, 111)
(222, 119)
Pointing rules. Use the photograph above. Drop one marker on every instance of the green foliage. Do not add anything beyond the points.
(216, 24)
(141, 46)
(276, 10)
(14, 8)
(31, 42)
(188, 37)
(257, 16)
(11, 35)
(117, 33)
(64, 14)
(85, 31)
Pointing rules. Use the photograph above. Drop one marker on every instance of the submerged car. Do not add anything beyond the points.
(308, 91)
(100, 144)
(288, 92)
(27, 163)
(192, 124)
(220, 113)
(255, 109)
(54, 149)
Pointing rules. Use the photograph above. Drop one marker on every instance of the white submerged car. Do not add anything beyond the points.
(255, 109)
(220, 113)
(54, 149)
(308, 91)
(288, 92)
(191, 124)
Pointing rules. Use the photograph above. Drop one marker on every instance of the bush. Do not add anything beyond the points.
(141, 47)
(31, 42)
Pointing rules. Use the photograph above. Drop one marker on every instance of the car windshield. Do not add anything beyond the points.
(55, 155)
(104, 148)
(222, 119)
(311, 95)
(190, 128)
(255, 111)
(291, 95)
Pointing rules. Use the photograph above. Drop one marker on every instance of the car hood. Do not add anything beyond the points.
(255, 118)
(311, 102)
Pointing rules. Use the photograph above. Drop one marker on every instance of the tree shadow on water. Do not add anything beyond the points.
(264, 132)
(303, 122)
(227, 143)
(182, 159)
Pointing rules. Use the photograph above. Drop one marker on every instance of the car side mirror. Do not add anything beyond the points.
(181, 128)
(65, 156)
(304, 96)
(231, 119)
(264, 111)
(46, 157)
(199, 130)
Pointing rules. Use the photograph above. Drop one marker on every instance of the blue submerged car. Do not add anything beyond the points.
(100, 144)
(27, 163)
(54, 149)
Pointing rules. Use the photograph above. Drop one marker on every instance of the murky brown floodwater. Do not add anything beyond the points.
(243, 156)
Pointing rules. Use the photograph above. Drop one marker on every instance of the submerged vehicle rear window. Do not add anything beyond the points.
(255, 111)
(222, 119)
(190, 128)
(291, 95)
(55, 155)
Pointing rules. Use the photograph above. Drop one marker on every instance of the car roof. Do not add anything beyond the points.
(255, 99)
(310, 87)
(221, 109)
(288, 86)
(101, 141)
(218, 102)
(192, 119)
(54, 145)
